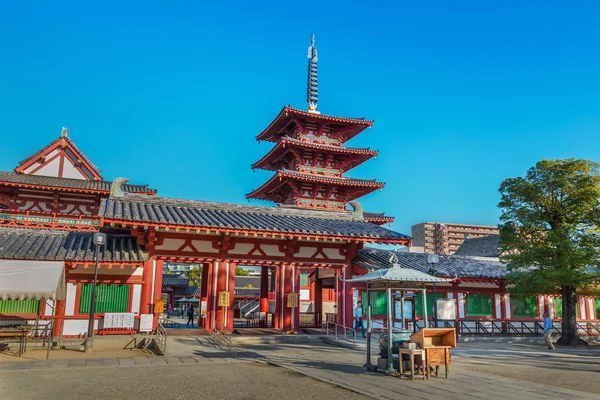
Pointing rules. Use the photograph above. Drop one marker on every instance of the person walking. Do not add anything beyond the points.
(358, 321)
(548, 331)
(190, 315)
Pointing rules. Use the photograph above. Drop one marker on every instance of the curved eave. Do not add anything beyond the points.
(286, 114)
(380, 221)
(329, 180)
(151, 192)
(273, 234)
(283, 146)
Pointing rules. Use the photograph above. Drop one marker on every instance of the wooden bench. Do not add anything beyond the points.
(15, 335)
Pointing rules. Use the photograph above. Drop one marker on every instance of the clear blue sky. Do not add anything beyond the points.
(463, 94)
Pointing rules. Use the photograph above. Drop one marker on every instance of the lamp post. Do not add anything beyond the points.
(433, 259)
(99, 240)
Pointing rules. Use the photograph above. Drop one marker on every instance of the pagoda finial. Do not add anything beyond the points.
(64, 133)
(312, 92)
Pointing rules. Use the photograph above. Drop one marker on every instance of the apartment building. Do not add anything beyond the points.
(445, 237)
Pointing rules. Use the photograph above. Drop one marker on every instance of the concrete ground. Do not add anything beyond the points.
(215, 380)
(479, 370)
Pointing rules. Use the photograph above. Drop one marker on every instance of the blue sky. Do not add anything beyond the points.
(463, 93)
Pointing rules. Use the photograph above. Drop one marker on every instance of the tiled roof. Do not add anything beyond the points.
(16, 179)
(246, 292)
(34, 244)
(356, 156)
(174, 280)
(187, 291)
(245, 281)
(286, 115)
(330, 179)
(381, 218)
(448, 266)
(234, 217)
(484, 246)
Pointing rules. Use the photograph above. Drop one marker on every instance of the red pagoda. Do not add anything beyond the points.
(310, 158)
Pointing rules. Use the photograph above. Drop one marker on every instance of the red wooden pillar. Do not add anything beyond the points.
(504, 324)
(318, 300)
(225, 276)
(158, 273)
(273, 284)
(211, 296)
(279, 294)
(202, 322)
(264, 289)
(290, 283)
(146, 295)
(344, 298)
(59, 313)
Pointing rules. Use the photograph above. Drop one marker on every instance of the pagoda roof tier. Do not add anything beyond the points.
(65, 184)
(353, 156)
(349, 127)
(286, 178)
(223, 218)
(377, 218)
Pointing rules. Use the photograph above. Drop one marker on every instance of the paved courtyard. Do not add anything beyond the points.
(199, 365)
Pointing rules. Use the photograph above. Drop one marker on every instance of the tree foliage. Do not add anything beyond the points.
(550, 233)
(194, 276)
(239, 271)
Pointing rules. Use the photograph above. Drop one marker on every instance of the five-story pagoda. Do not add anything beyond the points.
(310, 158)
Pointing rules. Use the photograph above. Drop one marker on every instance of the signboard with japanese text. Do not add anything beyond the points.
(224, 299)
(292, 300)
(118, 320)
(446, 309)
(146, 322)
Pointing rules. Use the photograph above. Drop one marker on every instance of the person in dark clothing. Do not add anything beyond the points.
(190, 314)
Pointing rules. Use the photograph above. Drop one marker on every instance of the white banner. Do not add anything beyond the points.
(146, 321)
(118, 320)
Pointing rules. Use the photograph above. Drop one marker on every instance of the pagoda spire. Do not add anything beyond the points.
(312, 93)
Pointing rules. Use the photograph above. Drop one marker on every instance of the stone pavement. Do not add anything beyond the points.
(343, 367)
(333, 365)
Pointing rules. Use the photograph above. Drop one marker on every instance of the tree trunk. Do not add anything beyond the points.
(569, 317)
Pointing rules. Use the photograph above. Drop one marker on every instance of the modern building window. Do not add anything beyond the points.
(524, 307)
(109, 298)
(31, 306)
(479, 305)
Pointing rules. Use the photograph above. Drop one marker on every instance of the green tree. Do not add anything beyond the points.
(549, 233)
(194, 276)
(239, 271)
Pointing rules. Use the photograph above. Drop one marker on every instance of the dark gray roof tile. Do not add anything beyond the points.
(485, 246)
(449, 266)
(9, 177)
(34, 244)
(162, 210)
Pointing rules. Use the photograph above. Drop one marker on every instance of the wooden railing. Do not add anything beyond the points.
(258, 320)
(310, 320)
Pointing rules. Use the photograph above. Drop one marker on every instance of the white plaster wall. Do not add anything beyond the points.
(69, 171)
(305, 252)
(498, 305)
(70, 301)
(304, 294)
(334, 254)
(138, 272)
(171, 244)
(136, 298)
(204, 246)
(582, 313)
(77, 326)
(240, 248)
(50, 169)
(541, 305)
(592, 308)
(461, 305)
(49, 310)
(507, 306)
(551, 306)
(271, 250)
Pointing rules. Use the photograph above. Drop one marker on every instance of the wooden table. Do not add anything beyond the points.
(438, 356)
(412, 353)
(15, 333)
